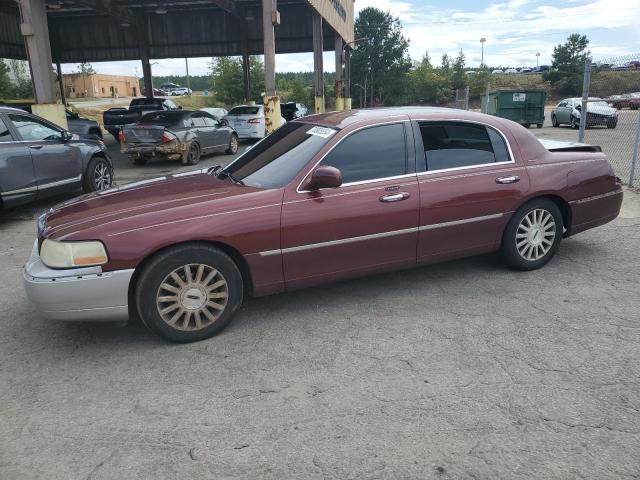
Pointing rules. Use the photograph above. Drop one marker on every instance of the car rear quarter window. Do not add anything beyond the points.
(371, 153)
(244, 111)
(458, 145)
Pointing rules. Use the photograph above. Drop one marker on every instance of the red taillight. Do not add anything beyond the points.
(254, 120)
(168, 137)
(121, 137)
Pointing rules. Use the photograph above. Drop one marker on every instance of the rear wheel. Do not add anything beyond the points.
(189, 293)
(98, 175)
(193, 156)
(233, 145)
(533, 235)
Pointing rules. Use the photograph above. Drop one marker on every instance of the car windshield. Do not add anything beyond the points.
(244, 111)
(276, 160)
(162, 118)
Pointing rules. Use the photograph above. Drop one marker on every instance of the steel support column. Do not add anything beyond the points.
(35, 30)
(271, 100)
(63, 96)
(347, 78)
(143, 45)
(339, 53)
(246, 74)
(318, 68)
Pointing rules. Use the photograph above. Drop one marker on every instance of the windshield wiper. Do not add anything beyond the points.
(234, 179)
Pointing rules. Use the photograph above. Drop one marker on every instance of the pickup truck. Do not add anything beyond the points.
(116, 118)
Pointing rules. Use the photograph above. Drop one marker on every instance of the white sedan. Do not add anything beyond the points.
(248, 121)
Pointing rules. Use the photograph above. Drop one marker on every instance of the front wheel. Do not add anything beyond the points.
(233, 145)
(98, 176)
(554, 121)
(533, 235)
(575, 123)
(189, 293)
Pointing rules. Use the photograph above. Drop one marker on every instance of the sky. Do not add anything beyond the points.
(515, 30)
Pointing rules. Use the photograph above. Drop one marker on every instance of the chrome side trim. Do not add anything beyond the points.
(469, 167)
(19, 191)
(343, 241)
(373, 236)
(460, 222)
(340, 140)
(596, 197)
(60, 182)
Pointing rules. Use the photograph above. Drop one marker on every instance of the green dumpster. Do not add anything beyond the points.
(525, 107)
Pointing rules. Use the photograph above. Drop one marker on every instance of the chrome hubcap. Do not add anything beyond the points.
(102, 177)
(535, 234)
(234, 144)
(192, 297)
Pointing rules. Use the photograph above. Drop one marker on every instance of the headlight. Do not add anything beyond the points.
(56, 254)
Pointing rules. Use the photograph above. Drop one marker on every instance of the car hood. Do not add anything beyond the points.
(600, 109)
(144, 203)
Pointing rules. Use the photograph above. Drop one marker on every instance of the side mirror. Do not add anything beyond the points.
(66, 136)
(324, 177)
(224, 123)
(578, 107)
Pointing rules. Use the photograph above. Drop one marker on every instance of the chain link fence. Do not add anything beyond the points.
(611, 100)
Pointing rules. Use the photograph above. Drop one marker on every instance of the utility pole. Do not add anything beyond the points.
(482, 41)
(186, 64)
(537, 59)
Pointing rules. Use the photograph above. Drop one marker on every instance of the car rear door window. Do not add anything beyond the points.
(31, 129)
(5, 134)
(369, 154)
(458, 145)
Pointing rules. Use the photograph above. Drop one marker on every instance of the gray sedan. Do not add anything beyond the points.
(39, 159)
(177, 135)
(599, 112)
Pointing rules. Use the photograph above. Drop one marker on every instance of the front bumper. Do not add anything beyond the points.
(87, 294)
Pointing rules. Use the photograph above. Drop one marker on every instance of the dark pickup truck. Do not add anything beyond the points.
(116, 118)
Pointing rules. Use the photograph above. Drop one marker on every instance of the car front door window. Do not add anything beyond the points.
(369, 154)
(31, 129)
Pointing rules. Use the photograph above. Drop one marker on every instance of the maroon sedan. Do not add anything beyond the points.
(324, 198)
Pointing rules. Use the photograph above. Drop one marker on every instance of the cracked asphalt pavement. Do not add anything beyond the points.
(462, 370)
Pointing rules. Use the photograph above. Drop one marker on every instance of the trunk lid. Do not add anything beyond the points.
(560, 146)
(143, 134)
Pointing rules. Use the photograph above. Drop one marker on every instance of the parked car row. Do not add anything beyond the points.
(599, 113)
(627, 100)
(324, 198)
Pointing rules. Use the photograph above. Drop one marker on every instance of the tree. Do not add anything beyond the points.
(226, 80)
(567, 68)
(382, 63)
(458, 75)
(5, 81)
(85, 68)
(23, 87)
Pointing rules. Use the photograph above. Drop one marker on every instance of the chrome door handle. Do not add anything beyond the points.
(35, 147)
(395, 197)
(505, 180)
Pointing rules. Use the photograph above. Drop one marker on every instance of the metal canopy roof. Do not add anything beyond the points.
(95, 31)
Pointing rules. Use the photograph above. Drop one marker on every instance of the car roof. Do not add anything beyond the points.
(365, 116)
(5, 109)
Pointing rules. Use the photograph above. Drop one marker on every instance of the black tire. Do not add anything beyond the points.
(612, 124)
(510, 249)
(233, 145)
(193, 155)
(148, 292)
(554, 121)
(526, 125)
(98, 175)
(539, 125)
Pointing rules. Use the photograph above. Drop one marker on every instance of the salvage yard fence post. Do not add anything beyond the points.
(610, 113)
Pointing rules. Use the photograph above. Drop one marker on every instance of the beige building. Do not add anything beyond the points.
(99, 85)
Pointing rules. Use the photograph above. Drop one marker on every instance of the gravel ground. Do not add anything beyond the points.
(463, 370)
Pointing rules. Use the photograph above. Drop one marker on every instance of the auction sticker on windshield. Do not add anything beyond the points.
(321, 132)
